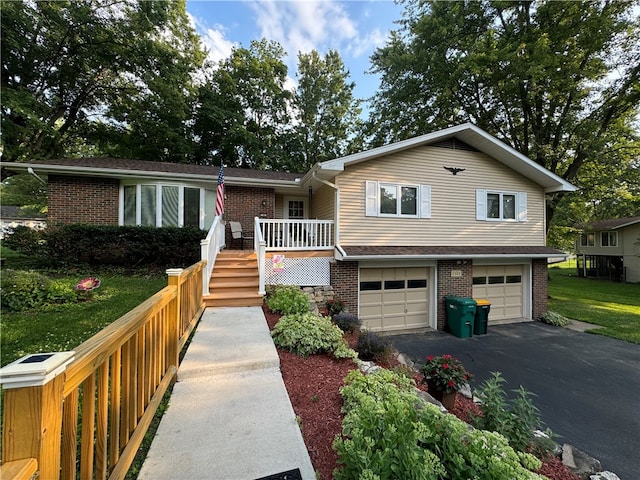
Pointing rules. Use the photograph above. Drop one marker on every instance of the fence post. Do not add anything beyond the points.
(175, 313)
(32, 419)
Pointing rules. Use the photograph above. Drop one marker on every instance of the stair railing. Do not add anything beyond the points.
(260, 247)
(209, 249)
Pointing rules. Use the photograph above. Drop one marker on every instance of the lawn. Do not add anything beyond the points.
(63, 327)
(614, 306)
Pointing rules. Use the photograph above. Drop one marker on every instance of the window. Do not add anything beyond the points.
(417, 283)
(501, 206)
(588, 240)
(393, 284)
(396, 200)
(163, 206)
(609, 239)
(370, 286)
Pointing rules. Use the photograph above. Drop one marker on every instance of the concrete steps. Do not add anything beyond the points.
(234, 281)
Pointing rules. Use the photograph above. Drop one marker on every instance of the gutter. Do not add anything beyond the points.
(154, 175)
(344, 256)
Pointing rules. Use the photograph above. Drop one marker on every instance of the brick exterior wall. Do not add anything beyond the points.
(447, 285)
(539, 287)
(344, 279)
(82, 200)
(243, 204)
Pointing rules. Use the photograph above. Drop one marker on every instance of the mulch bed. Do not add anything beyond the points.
(313, 384)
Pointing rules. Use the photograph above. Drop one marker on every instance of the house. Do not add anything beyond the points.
(610, 249)
(11, 217)
(393, 229)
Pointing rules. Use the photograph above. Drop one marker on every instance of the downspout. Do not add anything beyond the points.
(337, 212)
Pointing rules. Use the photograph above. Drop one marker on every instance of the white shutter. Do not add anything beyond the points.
(481, 204)
(522, 207)
(425, 201)
(371, 200)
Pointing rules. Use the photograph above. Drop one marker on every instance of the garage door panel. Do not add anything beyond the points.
(401, 302)
(502, 286)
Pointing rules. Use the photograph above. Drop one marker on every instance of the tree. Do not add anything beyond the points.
(72, 76)
(558, 81)
(327, 112)
(243, 110)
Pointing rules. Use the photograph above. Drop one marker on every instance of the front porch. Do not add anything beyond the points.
(284, 251)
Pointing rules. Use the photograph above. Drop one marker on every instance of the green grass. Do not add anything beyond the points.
(614, 306)
(63, 327)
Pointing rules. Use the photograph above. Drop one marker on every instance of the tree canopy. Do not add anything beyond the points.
(558, 81)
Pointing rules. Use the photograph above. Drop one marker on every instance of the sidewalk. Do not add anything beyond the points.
(229, 416)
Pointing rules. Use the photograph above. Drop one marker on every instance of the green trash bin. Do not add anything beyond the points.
(460, 313)
(483, 306)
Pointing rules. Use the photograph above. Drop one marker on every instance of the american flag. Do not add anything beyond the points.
(220, 193)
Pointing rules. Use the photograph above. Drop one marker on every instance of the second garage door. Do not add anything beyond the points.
(394, 298)
(502, 286)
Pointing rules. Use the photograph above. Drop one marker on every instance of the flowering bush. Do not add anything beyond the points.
(445, 372)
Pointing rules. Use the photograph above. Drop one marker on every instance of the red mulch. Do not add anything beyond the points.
(313, 385)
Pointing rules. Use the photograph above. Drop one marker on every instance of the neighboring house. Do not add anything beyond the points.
(394, 229)
(610, 249)
(10, 218)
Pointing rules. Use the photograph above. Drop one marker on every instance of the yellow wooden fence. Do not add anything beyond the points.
(89, 421)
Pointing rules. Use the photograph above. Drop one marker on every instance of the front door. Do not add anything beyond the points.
(295, 233)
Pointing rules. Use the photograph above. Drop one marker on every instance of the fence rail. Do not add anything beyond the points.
(95, 414)
(297, 234)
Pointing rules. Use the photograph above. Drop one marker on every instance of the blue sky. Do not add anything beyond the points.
(353, 28)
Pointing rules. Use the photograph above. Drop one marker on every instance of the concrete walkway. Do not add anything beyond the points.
(229, 416)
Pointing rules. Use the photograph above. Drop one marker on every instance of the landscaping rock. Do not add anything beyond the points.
(429, 399)
(368, 367)
(404, 360)
(604, 476)
(581, 464)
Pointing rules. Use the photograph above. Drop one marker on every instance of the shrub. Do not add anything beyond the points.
(389, 432)
(24, 240)
(445, 373)
(130, 246)
(516, 419)
(372, 347)
(288, 299)
(22, 290)
(347, 322)
(307, 333)
(553, 318)
(335, 306)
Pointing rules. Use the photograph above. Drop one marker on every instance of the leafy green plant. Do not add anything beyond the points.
(335, 306)
(347, 322)
(553, 318)
(389, 432)
(306, 334)
(288, 299)
(26, 289)
(445, 373)
(24, 240)
(516, 419)
(372, 347)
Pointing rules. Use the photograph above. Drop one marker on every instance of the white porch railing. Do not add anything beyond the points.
(209, 248)
(280, 235)
(260, 246)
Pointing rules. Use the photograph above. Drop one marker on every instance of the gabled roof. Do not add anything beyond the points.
(469, 134)
(123, 168)
(610, 224)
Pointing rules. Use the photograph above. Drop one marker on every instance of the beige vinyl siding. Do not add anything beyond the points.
(453, 201)
(323, 203)
(279, 209)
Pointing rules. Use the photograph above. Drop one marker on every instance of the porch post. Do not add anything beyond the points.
(32, 420)
(175, 314)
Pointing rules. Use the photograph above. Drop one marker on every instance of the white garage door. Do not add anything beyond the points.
(394, 298)
(502, 286)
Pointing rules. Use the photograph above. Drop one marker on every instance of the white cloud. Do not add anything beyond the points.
(213, 38)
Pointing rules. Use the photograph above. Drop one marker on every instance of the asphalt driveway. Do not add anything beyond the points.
(587, 386)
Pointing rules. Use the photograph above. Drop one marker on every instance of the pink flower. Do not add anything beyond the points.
(429, 358)
(452, 383)
(445, 365)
